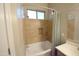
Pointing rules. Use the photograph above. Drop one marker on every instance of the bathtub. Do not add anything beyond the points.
(39, 49)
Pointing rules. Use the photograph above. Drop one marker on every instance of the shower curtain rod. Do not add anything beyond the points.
(48, 8)
(45, 8)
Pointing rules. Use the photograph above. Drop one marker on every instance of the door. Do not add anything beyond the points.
(3, 33)
(14, 29)
(11, 41)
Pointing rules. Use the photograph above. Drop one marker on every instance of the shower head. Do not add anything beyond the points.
(53, 12)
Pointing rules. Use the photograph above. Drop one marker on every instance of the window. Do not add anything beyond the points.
(35, 14)
(31, 14)
(40, 15)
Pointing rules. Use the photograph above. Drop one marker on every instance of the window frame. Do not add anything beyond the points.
(36, 13)
(30, 10)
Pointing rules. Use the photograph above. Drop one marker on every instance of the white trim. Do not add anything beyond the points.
(3, 34)
(9, 28)
(14, 30)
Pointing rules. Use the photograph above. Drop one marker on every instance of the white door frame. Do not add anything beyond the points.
(8, 18)
(3, 33)
(15, 38)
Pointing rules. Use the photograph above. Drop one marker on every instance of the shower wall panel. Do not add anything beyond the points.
(37, 30)
(70, 29)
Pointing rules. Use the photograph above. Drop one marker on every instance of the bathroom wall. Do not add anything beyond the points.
(69, 20)
(36, 31)
(71, 29)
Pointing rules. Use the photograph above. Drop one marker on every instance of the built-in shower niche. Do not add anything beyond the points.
(70, 29)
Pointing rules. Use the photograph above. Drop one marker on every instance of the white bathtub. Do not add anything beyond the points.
(39, 49)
